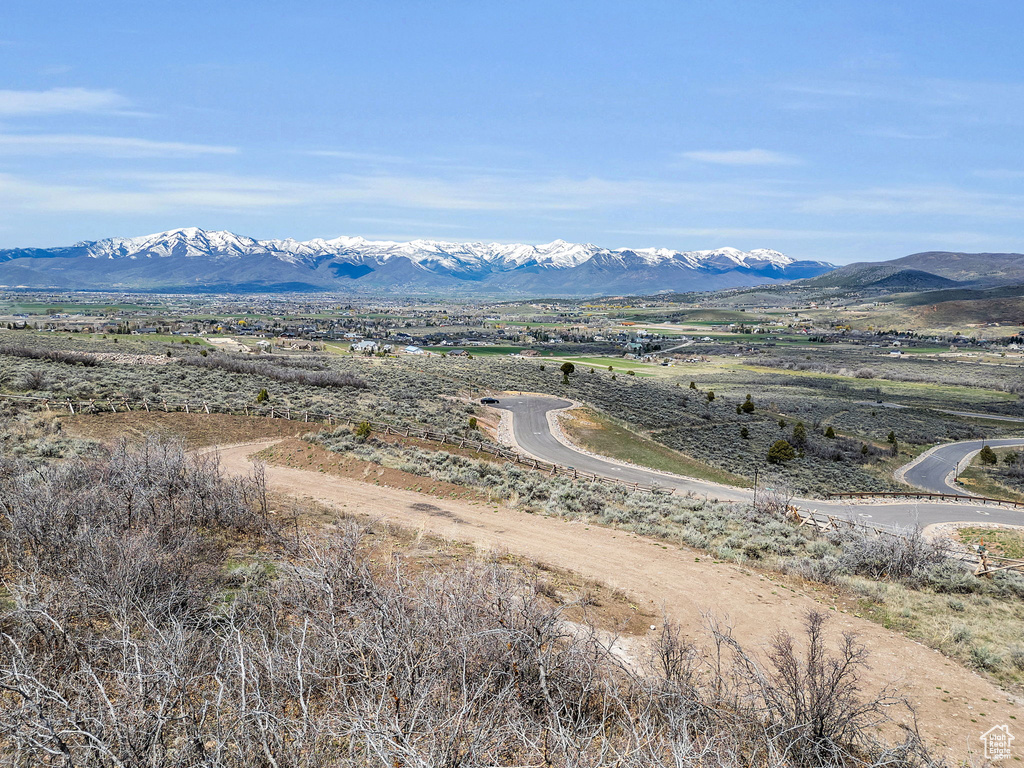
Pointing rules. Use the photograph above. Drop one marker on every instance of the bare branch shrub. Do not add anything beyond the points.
(905, 556)
(279, 371)
(56, 355)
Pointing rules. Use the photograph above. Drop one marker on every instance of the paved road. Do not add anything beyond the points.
(968, 414)
(533, 434)
(933, 472)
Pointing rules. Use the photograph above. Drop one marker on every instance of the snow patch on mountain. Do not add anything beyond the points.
(431, 255)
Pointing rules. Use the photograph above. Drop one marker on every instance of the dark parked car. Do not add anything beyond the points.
(489, 401)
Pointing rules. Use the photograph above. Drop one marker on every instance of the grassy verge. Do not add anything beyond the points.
(977, 479)
(978, 630)
(1005, 543)
(602, 435)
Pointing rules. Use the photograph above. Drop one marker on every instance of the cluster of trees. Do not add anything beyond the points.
(837, 448)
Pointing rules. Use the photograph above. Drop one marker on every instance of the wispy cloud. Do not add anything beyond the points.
(183, 192)
(740, 157)
(365, 157)
(919, 201)
(999, 173)
(894, 133)
(104, 146)
(951, 100)
(60, 100)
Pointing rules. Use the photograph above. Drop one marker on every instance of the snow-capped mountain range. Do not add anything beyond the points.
(192, 259)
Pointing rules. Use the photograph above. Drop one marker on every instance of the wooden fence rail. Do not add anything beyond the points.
(924, 495)
(985, 563)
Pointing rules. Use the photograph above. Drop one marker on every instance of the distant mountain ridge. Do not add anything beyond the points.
(193, 259)
(928, 271)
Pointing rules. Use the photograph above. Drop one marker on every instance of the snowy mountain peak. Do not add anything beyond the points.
(558, 254)
(556, 268)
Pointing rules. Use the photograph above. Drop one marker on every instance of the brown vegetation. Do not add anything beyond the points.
(129, 638)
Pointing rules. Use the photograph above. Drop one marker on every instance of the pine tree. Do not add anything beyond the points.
(781, 452)
(799, 434)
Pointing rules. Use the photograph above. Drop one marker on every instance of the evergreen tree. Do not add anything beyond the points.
(781, 452)
(799, 434)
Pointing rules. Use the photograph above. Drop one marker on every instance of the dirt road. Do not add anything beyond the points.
(955, 706)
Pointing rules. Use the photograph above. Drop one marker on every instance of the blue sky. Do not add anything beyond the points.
(834, 130)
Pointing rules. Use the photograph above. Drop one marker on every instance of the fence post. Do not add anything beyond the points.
(186, 407)
(71, 407)
(206, 405)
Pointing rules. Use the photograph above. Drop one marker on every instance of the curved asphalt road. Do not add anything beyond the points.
(533, 434)
(933, 472)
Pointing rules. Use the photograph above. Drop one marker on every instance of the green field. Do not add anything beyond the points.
(945, 394)
(498, 350)
(999, 542)
(40, 308)
(618, 365)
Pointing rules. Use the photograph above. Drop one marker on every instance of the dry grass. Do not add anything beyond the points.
(602, 435)
(299, 454)
(196, 429)
(978, 480)
(977, 630)
(610, 610)
(1004, 542)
